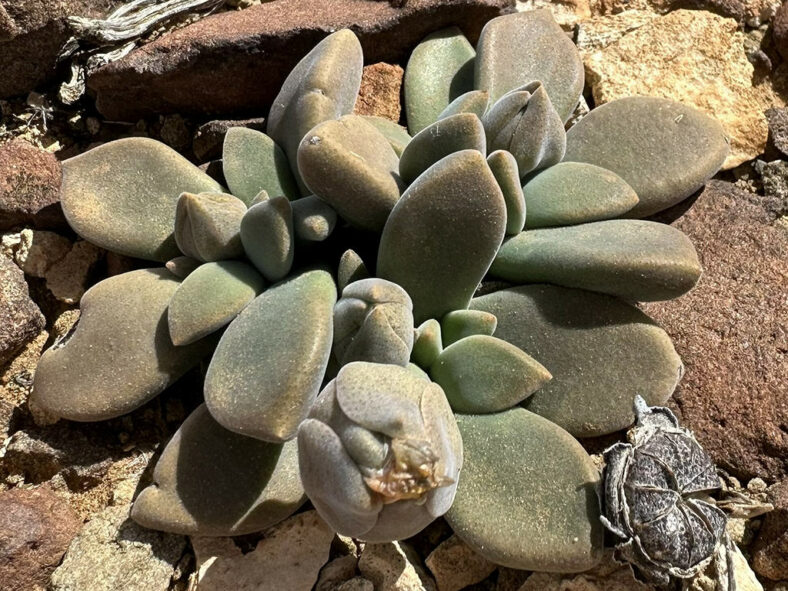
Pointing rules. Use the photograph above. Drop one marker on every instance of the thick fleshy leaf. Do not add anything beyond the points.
(323, 86)
(527, 494)
(351, 166)
(463, 131)
(252, 162)
(601, 351)
(209, 298)
(427, 344)
(443, 233)
(575, 193)
(323, 460)
(439, 70)
(475, 101)
(207, 226)
(663, 149)
(212, 482)
(351, 268)
(121, 196)
(519, 48)
(313, 219)
(270, 361)
(633, 259)
(459, 324)
(267, 237)
(397, 135)
(482, 374)
(504, 167)
(120, 354)
(524, 123)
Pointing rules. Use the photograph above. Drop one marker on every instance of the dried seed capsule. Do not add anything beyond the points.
(651, 498)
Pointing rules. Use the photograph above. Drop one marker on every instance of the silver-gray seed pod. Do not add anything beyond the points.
(654, 491)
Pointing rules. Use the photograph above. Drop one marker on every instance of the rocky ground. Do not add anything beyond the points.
(66, 488)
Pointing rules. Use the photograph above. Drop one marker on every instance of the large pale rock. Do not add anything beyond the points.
(600, 31)
(288, 557)
(456, 566)
(112, 553)
(567, 13)
(390, 567)
(694, 57)
(753, 12)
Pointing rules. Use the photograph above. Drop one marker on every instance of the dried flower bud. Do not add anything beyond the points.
(380, 453)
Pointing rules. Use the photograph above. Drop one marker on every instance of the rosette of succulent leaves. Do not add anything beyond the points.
(328, 281)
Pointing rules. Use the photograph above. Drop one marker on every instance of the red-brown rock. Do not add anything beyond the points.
(780, 30)
(29, 187)
(36, 527)
(235, 62)
(20, 318)
(731, 333)
(32, 33)
(381, 85)
(770, 551)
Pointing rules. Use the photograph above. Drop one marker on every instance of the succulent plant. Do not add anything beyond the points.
(474, 412)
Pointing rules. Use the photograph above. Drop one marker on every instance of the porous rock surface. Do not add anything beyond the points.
(379, 96)
(390, 566)
(770, 552)
(455, 565)
(780, 30)
(35, 530)
(112, 553)
(730, 333)
(29, 184)
(20, 318)
(216, 64)
(289, 556)
(696, 58)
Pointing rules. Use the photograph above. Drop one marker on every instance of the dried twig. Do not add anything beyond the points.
(134, 19)
(97, 42)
